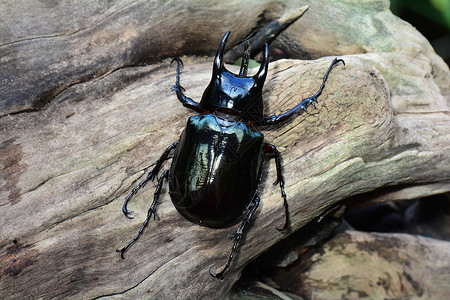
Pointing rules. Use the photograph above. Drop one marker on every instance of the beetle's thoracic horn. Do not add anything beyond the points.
(245, 59)
(260, 76)
(218, 61)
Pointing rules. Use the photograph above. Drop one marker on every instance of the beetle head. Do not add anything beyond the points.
(236, 92)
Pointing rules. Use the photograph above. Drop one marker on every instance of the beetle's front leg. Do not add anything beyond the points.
(152, 175)
(237, 237)
(151, 212)
(268, 148)
(273, 120)
(186, 101)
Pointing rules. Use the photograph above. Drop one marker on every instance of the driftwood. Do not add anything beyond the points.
(396, 266)
(86, 109)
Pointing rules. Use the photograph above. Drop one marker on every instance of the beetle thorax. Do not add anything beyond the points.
(236, 93)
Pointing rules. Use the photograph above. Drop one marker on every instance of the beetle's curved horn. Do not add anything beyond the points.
(218, 61)
(260, 76)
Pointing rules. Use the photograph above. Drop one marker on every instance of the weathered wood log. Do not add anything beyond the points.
(86, 109)
(396, 266)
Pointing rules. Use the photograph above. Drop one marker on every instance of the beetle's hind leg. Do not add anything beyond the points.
(178, 89)
(152, 175)
(237, 237)
(151, 212)
(268, 148)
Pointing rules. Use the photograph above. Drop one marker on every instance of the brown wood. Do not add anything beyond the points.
(86, 110)
(359, 265)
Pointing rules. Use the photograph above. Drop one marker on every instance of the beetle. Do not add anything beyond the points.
(218, 160)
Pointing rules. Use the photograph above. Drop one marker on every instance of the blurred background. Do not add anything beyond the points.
(431, 18)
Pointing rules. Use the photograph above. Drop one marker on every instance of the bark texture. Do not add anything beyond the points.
(86, 109)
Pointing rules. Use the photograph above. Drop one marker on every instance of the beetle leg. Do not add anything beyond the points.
(268, 148)
(152, 175)
(237, 237)
(273, 120)
(186, 101)
(151, 212)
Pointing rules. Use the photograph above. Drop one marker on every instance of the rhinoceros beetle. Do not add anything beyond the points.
(218, 160)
